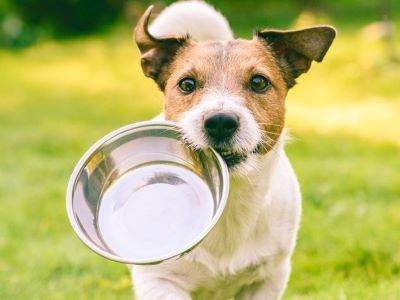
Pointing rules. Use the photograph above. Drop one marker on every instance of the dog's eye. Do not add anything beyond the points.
(259, 83)
(187, 85)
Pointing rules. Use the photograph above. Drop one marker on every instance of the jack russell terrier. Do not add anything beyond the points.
(230, 94)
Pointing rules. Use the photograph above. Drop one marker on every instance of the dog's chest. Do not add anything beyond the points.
(222, 274)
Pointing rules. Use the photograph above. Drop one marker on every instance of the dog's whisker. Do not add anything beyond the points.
(270, 124)
(269, 138)
(270, 132)
(271, 147)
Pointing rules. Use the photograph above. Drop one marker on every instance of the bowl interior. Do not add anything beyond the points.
(141, 196)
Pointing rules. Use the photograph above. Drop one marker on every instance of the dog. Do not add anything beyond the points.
(229, 94)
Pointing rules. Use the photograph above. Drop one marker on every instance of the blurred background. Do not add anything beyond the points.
(70, 73)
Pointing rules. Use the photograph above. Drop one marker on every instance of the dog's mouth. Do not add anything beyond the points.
(233, 158)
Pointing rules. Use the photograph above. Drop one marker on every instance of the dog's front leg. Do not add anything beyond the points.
(154, 286)
(271, 288)
(158, 289)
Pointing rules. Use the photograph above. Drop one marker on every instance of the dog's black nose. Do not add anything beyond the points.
(221, 127)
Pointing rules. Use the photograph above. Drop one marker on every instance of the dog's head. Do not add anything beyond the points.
(230, 94)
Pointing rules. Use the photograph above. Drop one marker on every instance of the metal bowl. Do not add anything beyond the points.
(141, 196)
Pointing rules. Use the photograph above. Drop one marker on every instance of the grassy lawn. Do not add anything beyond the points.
(58, 98)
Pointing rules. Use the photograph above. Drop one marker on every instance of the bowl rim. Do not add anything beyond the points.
(173, 254)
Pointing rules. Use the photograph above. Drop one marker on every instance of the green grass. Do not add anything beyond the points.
(58, 98)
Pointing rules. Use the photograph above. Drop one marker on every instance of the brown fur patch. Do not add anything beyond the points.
(229, 66)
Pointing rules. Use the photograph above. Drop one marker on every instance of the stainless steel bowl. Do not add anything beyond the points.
(141, 196)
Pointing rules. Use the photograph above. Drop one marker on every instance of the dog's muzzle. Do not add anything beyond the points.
(220, 130)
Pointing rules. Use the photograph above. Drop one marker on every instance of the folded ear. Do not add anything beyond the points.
(296, 49)
(157, 53)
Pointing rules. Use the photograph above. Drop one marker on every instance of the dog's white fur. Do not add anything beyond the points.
(246, 139)
(194, 17)
(247, 254)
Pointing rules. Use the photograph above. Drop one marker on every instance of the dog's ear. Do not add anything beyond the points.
(157, 53)
(296, 49)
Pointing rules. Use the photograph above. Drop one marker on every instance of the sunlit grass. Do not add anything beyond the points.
(374, 120)
(57, 98)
